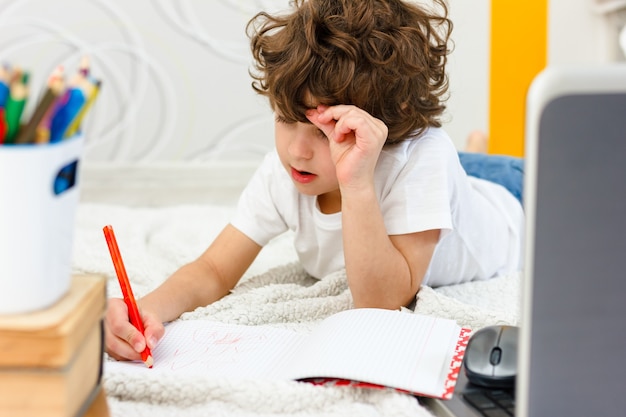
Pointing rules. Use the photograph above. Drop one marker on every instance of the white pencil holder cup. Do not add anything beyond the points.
(39, 192)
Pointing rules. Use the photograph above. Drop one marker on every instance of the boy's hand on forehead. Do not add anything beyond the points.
(355, 139)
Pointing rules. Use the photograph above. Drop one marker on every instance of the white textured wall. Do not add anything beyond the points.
(585, 31)
(175, 81)
(468, 68)
(175, 72)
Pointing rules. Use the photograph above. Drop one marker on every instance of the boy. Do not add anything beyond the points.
(362, 171)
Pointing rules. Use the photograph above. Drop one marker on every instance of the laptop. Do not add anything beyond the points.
(572, 351)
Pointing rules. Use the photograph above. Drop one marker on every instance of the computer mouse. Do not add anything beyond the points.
(491, 357)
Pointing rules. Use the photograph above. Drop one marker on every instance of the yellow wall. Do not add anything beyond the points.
(518, 53)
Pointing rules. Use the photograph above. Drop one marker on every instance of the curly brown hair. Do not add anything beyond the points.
(387, 57)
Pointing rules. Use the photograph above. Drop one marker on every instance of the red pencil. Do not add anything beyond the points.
(127, 291)
(3, 126)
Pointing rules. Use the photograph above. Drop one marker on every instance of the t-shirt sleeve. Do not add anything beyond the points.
(420, 195)
(258, 214)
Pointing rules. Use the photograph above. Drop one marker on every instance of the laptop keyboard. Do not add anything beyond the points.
(492, 403)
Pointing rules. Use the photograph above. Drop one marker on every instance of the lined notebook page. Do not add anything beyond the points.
(193, 347)
(384, 347)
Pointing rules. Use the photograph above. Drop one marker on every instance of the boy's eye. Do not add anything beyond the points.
(282, 120)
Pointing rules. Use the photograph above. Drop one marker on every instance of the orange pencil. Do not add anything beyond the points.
(127, 291)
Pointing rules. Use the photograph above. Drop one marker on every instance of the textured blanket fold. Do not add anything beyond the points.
(275, 291)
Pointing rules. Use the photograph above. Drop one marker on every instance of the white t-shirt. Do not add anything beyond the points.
(421, 185)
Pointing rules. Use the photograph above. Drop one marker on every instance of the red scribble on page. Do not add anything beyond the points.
(210, 348)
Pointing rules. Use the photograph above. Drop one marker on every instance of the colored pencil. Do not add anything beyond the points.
(42, 133)
(65, 114)
(91, 90)
(4, 94)
(3, 126)
(127, 291)
(85, 66)
(54, 89)
(4, 85)
(18, 94)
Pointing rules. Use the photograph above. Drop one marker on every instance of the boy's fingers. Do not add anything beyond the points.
(154, 331)
(128, 333)
(327, 114)
(135, 339)
(118, 348)
(120, 330)
(327, 127)
(341, 120)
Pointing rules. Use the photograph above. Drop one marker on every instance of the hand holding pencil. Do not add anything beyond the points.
(129, 298)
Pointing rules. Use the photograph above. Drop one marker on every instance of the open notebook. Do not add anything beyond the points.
(364, 347)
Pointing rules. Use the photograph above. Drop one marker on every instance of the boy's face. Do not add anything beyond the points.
(304, 152)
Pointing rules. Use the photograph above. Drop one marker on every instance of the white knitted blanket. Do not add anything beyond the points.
(275, 291)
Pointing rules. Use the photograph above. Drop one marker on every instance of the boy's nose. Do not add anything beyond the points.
(300, 147)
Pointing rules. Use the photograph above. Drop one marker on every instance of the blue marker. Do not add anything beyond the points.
(4, 85)
(4, 93)
(65, 114)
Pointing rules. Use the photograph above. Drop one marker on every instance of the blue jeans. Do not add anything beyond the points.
(507, 171)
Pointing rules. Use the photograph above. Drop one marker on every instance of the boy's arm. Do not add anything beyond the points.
(205, 280)
(383, 271)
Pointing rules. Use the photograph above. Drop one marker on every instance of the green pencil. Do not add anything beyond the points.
(15, 106)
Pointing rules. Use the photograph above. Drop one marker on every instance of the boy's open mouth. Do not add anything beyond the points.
(302, 176)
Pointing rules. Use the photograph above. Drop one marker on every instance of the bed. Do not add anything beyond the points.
(163, 218)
